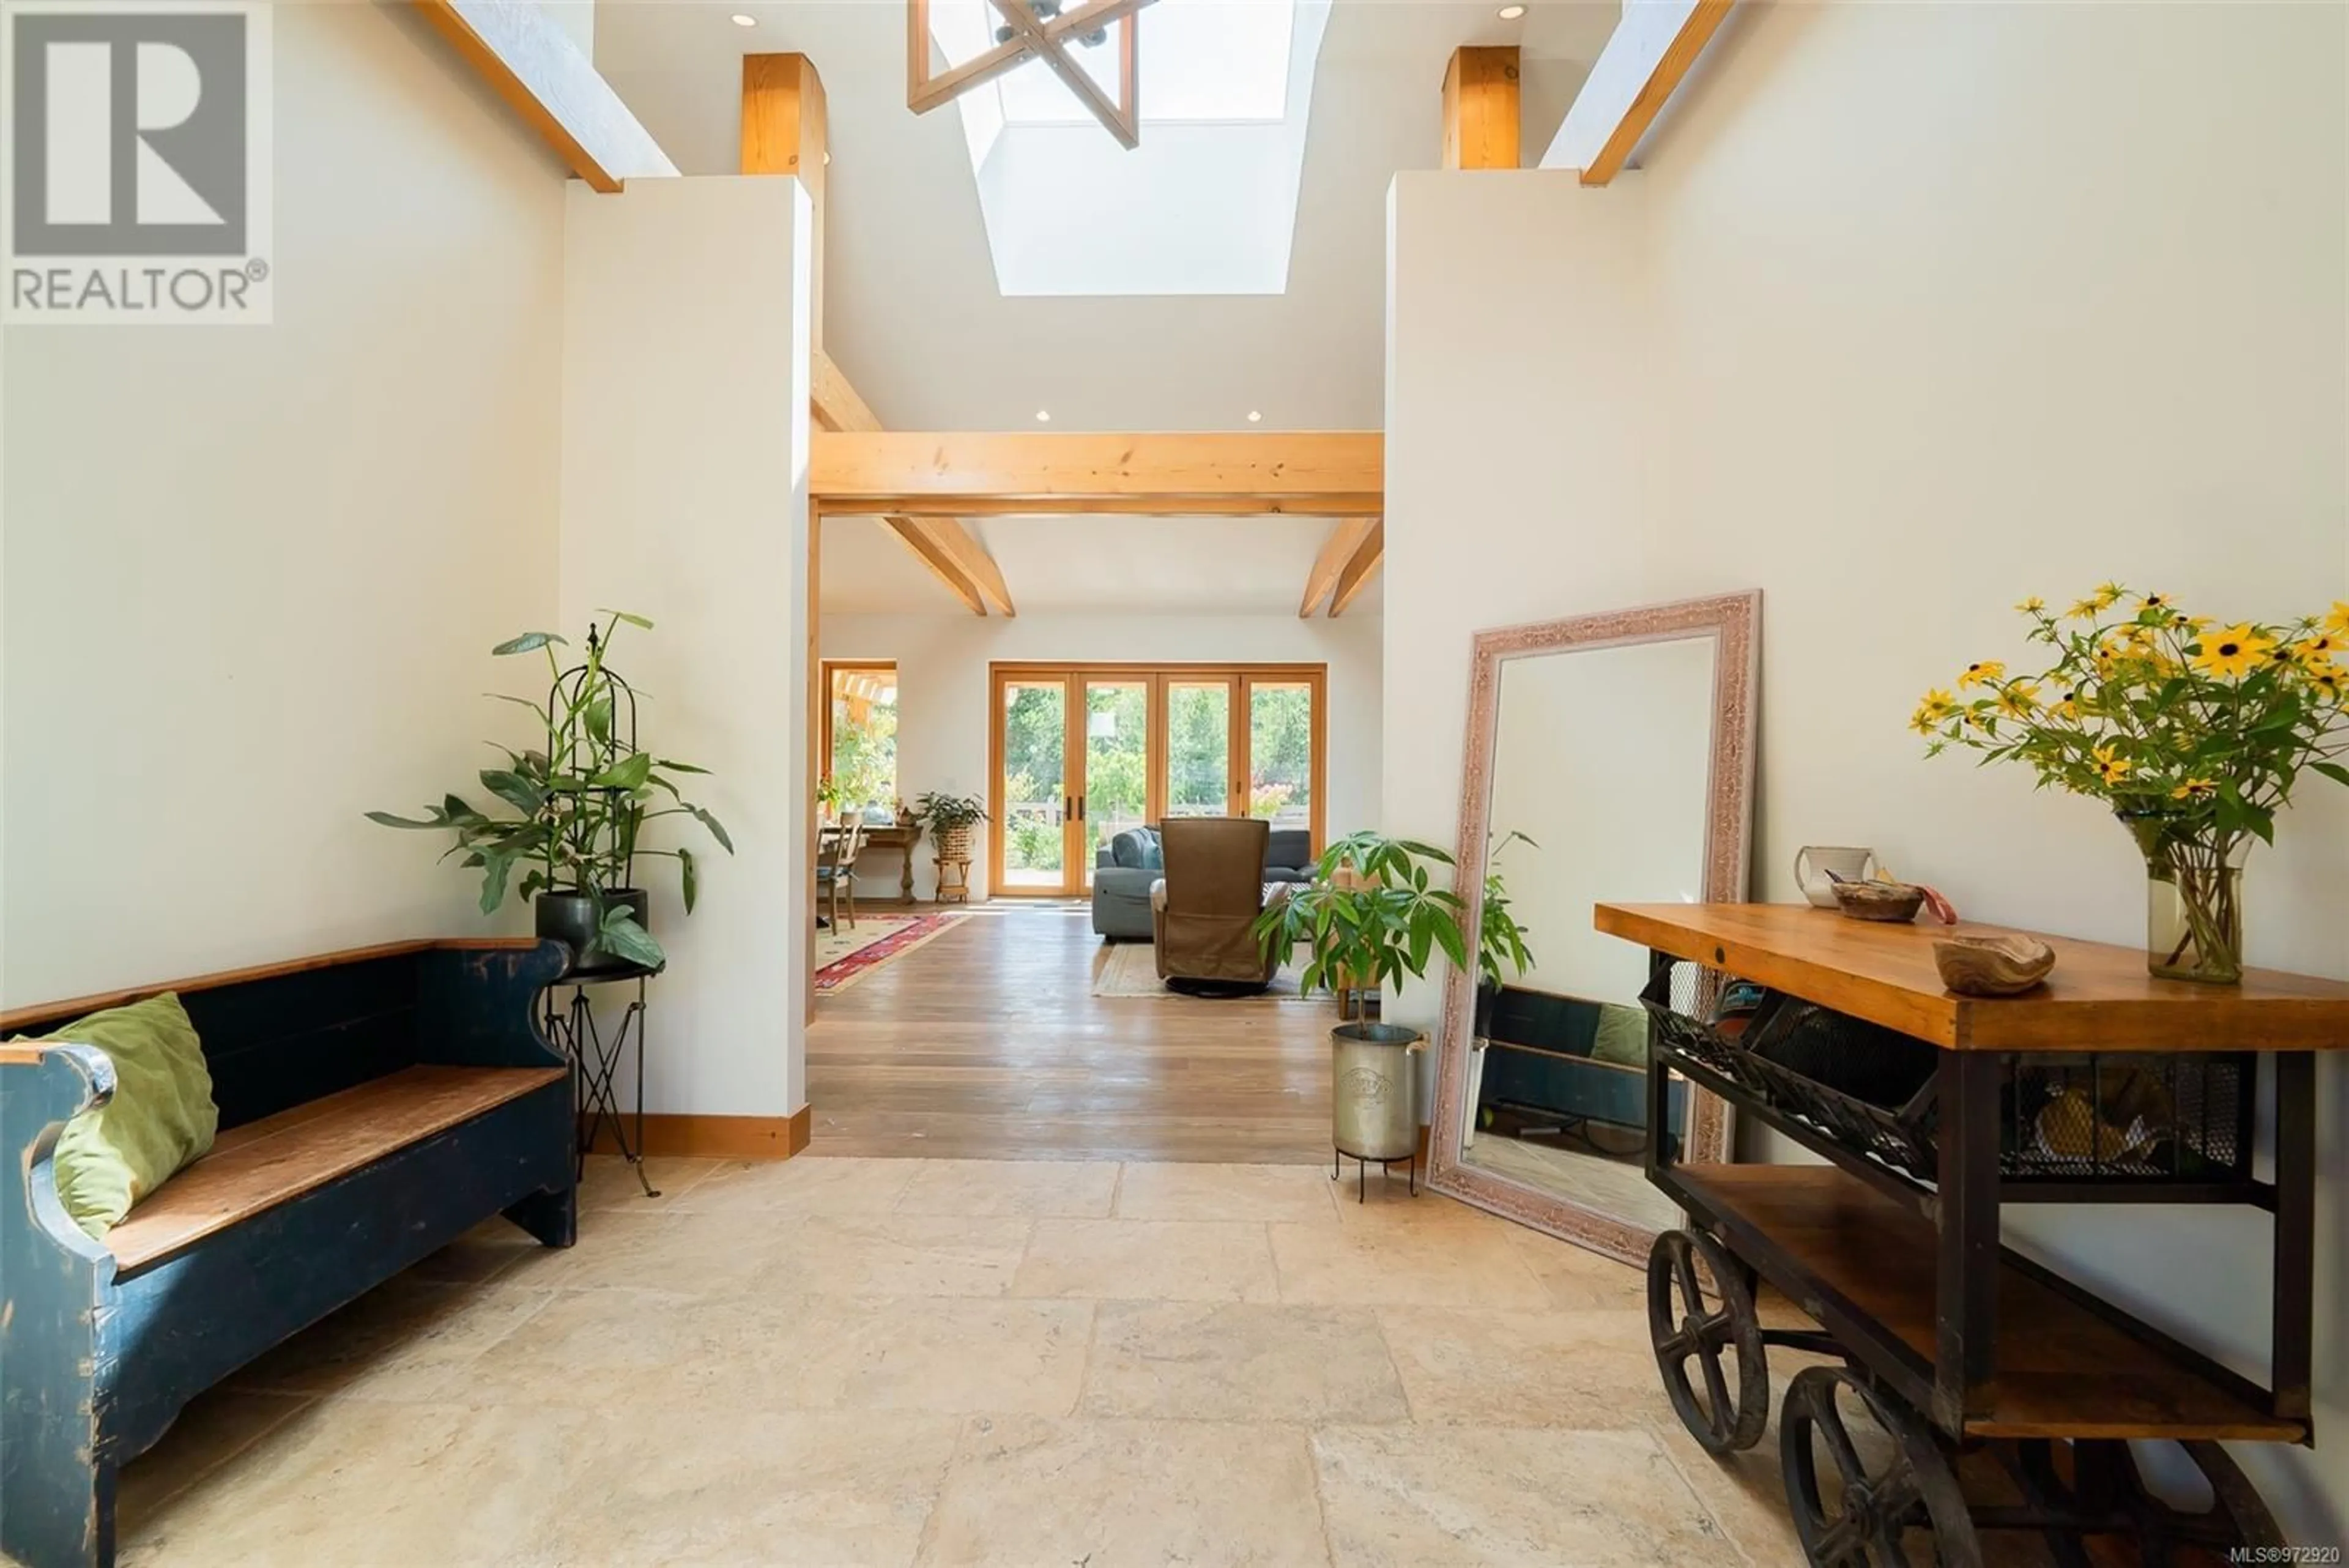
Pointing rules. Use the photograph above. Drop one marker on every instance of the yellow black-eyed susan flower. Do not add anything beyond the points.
(2337, 620)
(1982, 672)
(2111, 768)
(2194, 789)
(2034, 605)
(2232, 653)
(1933, 713)
(2020, 700)
(2109, 594)
(2084, 609)
(2317, 647)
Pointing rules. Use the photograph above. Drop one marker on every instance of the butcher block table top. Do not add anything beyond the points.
(2099, 996)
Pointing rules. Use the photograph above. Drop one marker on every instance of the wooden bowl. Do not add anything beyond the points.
(1890, 901)
(1992, 966)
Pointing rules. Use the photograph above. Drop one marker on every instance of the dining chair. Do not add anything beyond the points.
(835, 868)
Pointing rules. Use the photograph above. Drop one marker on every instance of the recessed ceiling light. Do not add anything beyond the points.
(1255, 416)
(1511, 13)
(743, 19)
(1044, 416)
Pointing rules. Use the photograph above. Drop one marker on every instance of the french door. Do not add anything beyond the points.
(1081, 754)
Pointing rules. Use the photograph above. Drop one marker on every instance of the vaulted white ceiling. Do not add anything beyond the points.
(913, 313)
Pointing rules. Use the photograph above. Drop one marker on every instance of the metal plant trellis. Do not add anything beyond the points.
(1038, 30)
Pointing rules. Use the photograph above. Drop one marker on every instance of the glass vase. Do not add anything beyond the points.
(2193, 900)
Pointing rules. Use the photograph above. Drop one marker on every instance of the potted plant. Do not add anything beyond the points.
(579, 802)
(950, 818)
(827, 797)
(1500, 940)
(1382, 921)
(2192, 732)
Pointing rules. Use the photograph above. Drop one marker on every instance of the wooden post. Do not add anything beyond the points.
(1966, 1313)
(1480, 108)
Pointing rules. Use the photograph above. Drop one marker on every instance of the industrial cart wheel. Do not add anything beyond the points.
(1685, 1325)
(1888, 1510)
(2103, 1489)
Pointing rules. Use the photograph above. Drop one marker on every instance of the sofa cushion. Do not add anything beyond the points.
(160, 1117)
(1289, 849)
(1138, 849)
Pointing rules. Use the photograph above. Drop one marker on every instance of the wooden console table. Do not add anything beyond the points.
(900, 837)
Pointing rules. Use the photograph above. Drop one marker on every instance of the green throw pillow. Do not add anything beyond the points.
(161, 1115)
(1622, 1036)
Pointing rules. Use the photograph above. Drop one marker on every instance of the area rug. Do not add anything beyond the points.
(1131, 969)
(843, 956)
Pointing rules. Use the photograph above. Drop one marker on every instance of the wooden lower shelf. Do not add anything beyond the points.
(2063, 1371)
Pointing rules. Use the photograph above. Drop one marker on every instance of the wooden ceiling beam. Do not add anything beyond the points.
(1481, 113)
(531, 62)
(1359, 570)
(1120, 119)
(924, 92)
(941, 564)
(1649, 54)
(1331, 473)
(1336, 552)
(787, 130)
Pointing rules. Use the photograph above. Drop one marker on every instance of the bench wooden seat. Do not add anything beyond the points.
(262, 1164)
(374, 1107)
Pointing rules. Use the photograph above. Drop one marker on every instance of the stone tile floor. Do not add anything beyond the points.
(841, 1361)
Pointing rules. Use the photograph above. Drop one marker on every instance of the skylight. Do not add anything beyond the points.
(1203, 62)
(1206, 204)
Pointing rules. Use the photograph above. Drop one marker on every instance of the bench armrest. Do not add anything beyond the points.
(52, 1279)
(477, 1004)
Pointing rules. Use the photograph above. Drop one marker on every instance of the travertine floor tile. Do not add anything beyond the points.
(1436, 1261)
(1150, 1260)
(365, 1485)
(1544, 1368)
(844, 1186)
(660, 1249)
(1062, 1188)
(900, 1254)
(1577, 1279)
(1026, 1491)
(1414, 1497)
(1230, 1361)
(958, 1353)
(1295, 1193)
(406, 1339)
(610, 1182)
(1745, 1492)
(729, 1489)
(215, 1425)
(645, 1349)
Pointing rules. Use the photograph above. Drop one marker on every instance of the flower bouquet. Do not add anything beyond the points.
(2193, 732)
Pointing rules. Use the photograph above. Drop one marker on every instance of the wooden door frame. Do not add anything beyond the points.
(1074, 675)
(824, 668)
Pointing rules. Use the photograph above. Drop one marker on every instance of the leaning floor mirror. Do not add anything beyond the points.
(1611, 760)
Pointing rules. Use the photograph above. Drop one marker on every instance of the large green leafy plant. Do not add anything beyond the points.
(1500, 940)
(579, 800)
(1382, 923)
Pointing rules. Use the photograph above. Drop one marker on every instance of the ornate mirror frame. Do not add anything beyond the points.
(1733, 621)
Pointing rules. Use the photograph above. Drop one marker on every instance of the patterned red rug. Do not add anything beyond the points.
(847, 970)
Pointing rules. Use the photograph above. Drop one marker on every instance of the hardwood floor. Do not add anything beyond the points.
(989, 1042)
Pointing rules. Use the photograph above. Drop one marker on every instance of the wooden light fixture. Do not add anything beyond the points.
(1033, 31)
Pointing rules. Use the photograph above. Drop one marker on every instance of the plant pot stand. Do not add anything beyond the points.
(956, 891)
(571, 1028)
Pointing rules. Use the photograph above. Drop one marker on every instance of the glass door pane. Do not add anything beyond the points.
(1280, 752)
(1117, 763)
(1034, 784)
(1199, 747)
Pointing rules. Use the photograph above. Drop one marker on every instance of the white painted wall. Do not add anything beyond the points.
(685, 438)
(1920, 309)
(943, 699)
(253, 575)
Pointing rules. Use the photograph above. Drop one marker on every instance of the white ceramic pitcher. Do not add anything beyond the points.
(1813, 862)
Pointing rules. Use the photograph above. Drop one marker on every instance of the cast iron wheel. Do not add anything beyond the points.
(1877, 1514)
(1682, 1325)
(2106, 1480)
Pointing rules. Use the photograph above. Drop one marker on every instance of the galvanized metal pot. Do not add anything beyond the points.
(1374, 1090)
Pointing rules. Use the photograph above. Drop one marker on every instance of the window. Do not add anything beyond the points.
(860, 737)
(1083, 753)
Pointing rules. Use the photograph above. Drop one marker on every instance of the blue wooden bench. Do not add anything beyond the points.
(375, 1106)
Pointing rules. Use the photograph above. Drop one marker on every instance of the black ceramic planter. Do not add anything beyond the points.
(569, 917)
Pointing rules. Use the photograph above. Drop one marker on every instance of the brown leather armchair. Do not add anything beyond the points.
(1204, 909)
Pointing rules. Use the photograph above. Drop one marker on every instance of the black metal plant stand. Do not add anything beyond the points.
(596, 1062)
(1386, 1169)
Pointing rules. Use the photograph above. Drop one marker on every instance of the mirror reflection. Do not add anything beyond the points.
(1600, 773)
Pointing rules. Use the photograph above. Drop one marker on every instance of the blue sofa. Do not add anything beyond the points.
(1128, 864)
